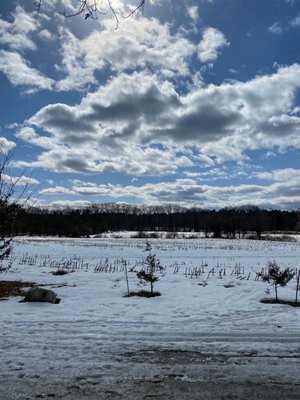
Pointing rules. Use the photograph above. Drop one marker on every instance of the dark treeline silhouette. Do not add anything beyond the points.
(228, 222)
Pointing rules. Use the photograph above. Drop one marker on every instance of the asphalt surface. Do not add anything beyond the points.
(157, 373)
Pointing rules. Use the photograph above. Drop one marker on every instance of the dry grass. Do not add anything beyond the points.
(13, 288)
(274, 301)
(143, 293)
(229, 285)
(60, 272)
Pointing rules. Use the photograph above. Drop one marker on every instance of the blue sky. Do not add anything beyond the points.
(192, 102)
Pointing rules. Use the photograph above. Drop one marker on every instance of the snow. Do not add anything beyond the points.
(94, 323)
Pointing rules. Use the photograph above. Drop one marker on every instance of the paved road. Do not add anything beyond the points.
(157, 373)
(131, 363)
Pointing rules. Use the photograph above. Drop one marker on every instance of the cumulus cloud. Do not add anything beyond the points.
(281, 175)
(57, 190)
(193, 13)
(22, 180)
(105, 132)
(6, 145)
(45, 34)
(139, 124)
(130, 160)
(188, 192)
(17, 41)
(17, 34)
(145, 119)
(214, 174)
(28, 134)
(19, 72)
(63, 204)
(141, 43)
(209, 48)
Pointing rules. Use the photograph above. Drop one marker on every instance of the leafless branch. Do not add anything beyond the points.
(8, 184)
(136, 9)
(114, 14)
(38, 5)
(11, 204)
(92, 9)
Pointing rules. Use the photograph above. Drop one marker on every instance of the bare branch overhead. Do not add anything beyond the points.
(93, 8)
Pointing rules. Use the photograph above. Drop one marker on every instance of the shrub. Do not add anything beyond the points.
(151, 266)
(171, 235)
(60, 272)
(276, 277)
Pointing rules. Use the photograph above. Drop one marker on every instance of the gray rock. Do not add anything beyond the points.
(42, 295)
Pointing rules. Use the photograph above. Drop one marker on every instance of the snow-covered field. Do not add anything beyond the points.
(207, 330)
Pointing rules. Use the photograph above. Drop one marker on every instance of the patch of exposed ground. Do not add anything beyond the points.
(274, 301)
(13, 288)
(143, 293)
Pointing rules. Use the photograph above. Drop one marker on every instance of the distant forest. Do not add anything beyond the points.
(100, 218)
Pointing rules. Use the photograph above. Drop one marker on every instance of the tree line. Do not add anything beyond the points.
(96, 219)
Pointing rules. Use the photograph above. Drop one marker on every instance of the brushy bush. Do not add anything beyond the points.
(60, 272)
(151, 265)
(143, 293)
(171, 235)
(276, 277)
(280, 238)
(146, 235)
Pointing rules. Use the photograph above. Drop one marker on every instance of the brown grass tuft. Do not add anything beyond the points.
(143, 293)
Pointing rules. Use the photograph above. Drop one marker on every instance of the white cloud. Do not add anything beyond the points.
(211, 44)
(188, 192)
(193, 13)
(28, 134)
(17, 34)
(19, 72)
(56, 190)
(276, 29)
(6, 145)
(295, 22)
(139, 125)
(90, 139)
(63, 204)
(22, 180)
(269, 155)
(145, 119)
(286, 175)
(213, 174)
(130, 160)
(45, 34)
(139, 44)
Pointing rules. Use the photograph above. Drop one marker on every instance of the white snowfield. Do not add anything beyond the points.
(207, 328)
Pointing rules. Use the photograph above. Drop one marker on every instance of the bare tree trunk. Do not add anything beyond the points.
(276, 296)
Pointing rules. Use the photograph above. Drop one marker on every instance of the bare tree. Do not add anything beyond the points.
(95, 8)
(10, 205)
